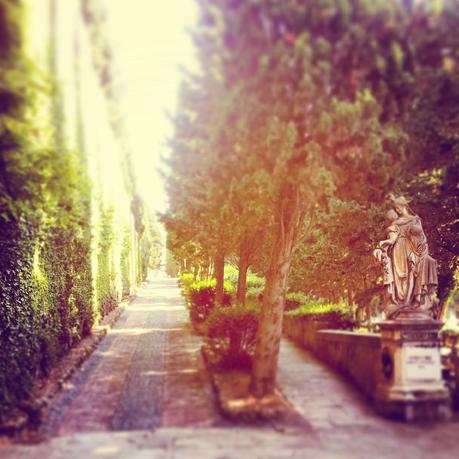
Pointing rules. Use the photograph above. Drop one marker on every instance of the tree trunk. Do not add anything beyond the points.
(205, 270)
(211, 269)
(288, 219)
(187, 265)
(219, 276)
(244, 260)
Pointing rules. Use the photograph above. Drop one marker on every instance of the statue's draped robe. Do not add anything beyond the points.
(414, 270)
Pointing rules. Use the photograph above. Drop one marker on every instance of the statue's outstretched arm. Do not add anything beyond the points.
(391, 240)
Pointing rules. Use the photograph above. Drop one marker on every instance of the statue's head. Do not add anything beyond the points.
(400, 204)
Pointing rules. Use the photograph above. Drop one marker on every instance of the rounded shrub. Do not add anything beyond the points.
(201, 298)
(231, 335)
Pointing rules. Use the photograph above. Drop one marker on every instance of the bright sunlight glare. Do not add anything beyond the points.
(150, 45)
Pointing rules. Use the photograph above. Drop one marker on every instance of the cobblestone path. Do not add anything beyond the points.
(145, 374)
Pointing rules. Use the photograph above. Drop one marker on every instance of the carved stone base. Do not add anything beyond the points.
(394, 312)
(410, 384)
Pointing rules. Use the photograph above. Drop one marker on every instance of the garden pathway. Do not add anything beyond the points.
(146, 373)
(144, 394)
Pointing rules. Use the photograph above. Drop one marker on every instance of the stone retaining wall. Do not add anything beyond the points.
(356, 355)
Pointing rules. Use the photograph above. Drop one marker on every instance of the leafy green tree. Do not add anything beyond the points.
(311, 112)
(307, 135)
(197, 187)
(410, 70)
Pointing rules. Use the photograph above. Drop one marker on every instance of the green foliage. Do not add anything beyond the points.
(201, 296)
(126, 263)
(232, 332)
(335, 102)
(339, 315)
(436, 200)
(295, 299)
(155, 242)
(186, 279)
(333, 261)
(255, 287)
(415, 83)
(47, 289)
(145, 257)
(150, 246)
(254, 281)
(105, 288)
(255, 292)
(231, 274)
(45, 272)
(19, 337)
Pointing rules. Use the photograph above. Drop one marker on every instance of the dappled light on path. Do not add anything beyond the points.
(141, 331)
(160, 308)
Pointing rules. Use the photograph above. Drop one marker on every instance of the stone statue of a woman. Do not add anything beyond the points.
(410, 273)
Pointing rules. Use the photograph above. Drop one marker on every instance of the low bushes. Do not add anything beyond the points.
(231, 274)
(339, 316)
(293, 300)
(296, 299)
(200, 296)
(255, 284)
(255, 287)
(255, 293)
(231, 333)
(186, 279)
(229, 330)
(254, 281)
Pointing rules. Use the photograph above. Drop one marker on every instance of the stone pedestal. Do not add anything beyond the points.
(410, 385)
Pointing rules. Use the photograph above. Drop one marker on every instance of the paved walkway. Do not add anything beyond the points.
(143, 374)
(341, 418)
(144, 394)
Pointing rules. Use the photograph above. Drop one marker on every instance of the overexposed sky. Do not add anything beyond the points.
(150, 44)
